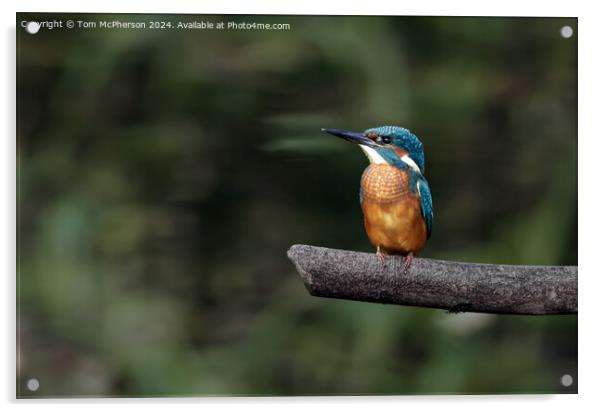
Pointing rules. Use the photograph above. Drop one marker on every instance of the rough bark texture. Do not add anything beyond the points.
(455, 286)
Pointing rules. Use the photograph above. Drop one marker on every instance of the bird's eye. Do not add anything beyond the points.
(386, 140)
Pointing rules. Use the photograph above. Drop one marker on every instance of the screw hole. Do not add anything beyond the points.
(33, 384)
(566, 380)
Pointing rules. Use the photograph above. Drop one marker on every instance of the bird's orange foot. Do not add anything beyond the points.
(407, 262)
(380, 255)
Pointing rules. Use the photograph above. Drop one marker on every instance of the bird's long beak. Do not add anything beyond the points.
(354, 137)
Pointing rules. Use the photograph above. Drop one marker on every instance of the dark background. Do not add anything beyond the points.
(163, 174)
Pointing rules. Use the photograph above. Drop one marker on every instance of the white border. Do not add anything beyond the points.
(589, 222)
(374, 7)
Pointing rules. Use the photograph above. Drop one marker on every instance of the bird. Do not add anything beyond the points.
(395, 197)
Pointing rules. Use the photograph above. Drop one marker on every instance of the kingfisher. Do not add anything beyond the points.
(394, 194)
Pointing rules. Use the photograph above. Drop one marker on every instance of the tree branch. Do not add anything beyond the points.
(455, 286)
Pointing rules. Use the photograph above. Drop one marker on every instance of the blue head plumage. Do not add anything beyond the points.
(402, 138)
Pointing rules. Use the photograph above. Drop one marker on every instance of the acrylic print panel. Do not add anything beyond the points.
(166, 163)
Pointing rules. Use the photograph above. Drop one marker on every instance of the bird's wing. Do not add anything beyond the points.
(426, 204)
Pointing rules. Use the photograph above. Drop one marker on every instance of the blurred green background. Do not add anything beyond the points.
(163, 174)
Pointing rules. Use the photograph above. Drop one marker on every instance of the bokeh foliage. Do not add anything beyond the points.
(163, 174)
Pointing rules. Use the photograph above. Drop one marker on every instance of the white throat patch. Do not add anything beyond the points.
(372, 155)
(375, 158)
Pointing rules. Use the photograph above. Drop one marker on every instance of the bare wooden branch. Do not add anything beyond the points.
(455, 286)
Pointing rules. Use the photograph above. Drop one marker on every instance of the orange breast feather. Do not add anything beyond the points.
(392, 215)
